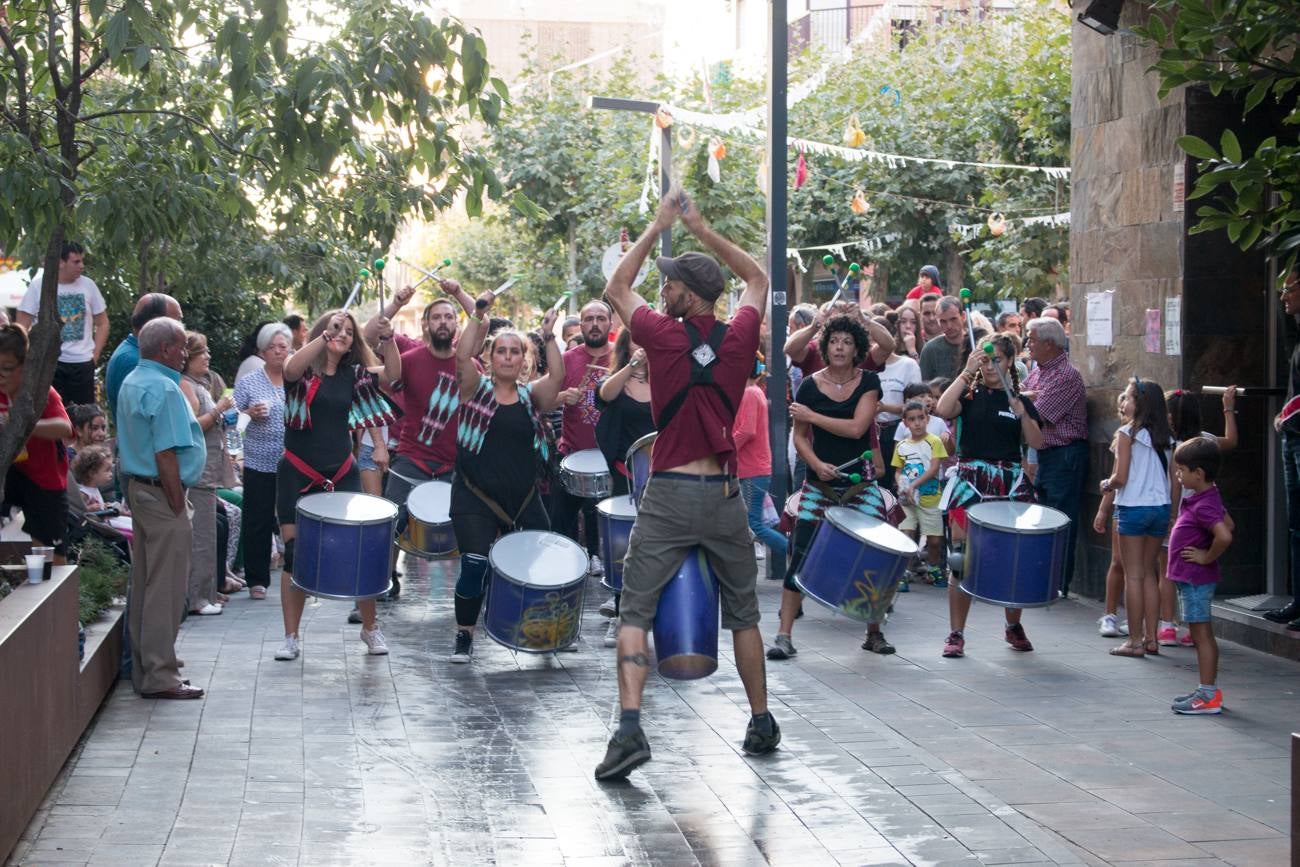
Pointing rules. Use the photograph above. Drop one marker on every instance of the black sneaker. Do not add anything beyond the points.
(1285, 614)
(623, 756)
(876, 643)
(354, 616)
(756, 743)
(464, 647)
(782, 648)
(396, 589)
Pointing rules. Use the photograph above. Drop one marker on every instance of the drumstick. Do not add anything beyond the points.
(497, 292)
(379, 276)
(865, 456)
(970, 328)
(432, 275)
(1006, 384)
(356, 287)
(558, 302)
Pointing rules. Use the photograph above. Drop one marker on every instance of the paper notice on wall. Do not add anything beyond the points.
(1151, 337)
(1100, 325)
(1173, 326)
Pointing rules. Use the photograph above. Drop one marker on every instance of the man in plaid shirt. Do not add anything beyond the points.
(1058, 393)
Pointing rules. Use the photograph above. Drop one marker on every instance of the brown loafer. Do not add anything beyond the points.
(179, 691)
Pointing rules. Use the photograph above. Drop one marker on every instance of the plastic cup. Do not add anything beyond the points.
(48, 554)
(35, 568)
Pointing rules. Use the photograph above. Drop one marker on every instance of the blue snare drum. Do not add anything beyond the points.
(854, 564)
(343, 544)
(686, 622)
(534, 600)
(1015, 553)
(428, 530)
(638, 464)
(615, 516)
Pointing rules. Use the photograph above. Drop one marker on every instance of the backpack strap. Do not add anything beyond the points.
(701, 371)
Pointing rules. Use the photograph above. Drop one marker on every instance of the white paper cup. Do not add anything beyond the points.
(35, 568)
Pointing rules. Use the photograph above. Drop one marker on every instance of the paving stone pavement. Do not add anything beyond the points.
(1061, 756)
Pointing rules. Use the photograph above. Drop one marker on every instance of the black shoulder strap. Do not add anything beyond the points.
(701, 374)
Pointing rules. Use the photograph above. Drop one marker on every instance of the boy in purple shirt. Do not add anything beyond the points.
(1201, 534)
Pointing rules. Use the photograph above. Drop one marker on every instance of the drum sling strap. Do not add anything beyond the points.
(702, 355)
(496, 507)
(316, 479)
(842, 497)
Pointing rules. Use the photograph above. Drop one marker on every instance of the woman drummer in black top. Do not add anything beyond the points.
(501, 450)
(331, 389)
(993, 427)
(834, 419)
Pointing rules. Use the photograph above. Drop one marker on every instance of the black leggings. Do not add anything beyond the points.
(477, 527)
(259, 526)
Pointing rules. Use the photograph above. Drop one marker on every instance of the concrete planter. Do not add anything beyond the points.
(47, 696)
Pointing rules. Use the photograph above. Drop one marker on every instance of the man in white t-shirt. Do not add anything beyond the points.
(85, 325)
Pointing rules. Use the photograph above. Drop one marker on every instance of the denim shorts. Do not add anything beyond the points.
(1194, 600)
(1142, 520)
(365, 459)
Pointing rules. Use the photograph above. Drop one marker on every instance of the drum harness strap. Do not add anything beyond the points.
(703, 354)
(839, 497)
(496, 507)
(316, 479)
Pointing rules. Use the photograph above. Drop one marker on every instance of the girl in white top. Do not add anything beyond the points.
(1141, 482)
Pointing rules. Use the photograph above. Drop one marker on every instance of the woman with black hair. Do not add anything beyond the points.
(994, 428)
(834, 417)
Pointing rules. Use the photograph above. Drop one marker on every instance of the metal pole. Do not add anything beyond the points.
(777, 240)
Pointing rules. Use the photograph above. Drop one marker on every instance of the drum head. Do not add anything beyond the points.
(874, 532)
(537, 559)
(617, 507)
(430, 502)
(337, 507)
(588, 461)
(1017, 517)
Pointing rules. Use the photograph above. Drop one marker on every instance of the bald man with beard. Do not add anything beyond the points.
(126, 356)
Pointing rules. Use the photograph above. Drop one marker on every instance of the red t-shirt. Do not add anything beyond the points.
(917, 291)
(585, 371)
(813, 361)
(404, 344)
(47, 460)
(753, 444)
(431, 400)
(703, 424)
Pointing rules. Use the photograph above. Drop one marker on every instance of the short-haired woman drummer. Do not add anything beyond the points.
(331, 388)
(502, 447)
(994, 428)
(834, 418)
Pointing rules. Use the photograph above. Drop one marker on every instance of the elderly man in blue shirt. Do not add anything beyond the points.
(161, 451)
(126, 356)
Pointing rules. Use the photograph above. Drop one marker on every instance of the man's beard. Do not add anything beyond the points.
(595, 342)
(441, 344)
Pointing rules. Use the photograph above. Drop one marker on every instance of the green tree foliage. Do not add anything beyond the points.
(203, 148)
(1249, 48)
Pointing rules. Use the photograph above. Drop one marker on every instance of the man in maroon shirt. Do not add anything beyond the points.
(426, 391)
(699, 372)
(585, 365)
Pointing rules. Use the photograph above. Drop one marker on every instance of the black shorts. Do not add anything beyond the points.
(45, 513)
(75, 381)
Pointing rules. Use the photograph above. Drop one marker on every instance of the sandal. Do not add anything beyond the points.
(1129, 650)
(232, 586)
(1152, 648)
(257, 592)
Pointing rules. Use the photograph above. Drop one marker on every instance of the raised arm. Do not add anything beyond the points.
(304, 358)
(882, 342)
(546, 389)
(618, 291)
(740, 262)
(468, 348)
(612, 386)
(376, 324)
(796, 345)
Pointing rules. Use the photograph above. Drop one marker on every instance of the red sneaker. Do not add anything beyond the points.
(1015, 636)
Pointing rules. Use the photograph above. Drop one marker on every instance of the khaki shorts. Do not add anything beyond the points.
(677, 514)
(928, 517)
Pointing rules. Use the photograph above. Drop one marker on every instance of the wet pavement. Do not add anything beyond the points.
(1065, 755)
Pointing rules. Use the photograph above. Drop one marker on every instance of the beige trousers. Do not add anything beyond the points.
(160, 565)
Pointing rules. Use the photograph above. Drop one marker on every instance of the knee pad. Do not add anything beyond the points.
(472, 582)
(288, 555)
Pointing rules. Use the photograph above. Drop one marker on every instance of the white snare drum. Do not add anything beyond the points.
(585, 474)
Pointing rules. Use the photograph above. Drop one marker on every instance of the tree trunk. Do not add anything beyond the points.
(955, 267)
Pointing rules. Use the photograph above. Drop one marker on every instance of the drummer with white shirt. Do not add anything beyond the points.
(585, 365)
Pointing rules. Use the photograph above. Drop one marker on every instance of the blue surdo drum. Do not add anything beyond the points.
(615, 517)
(428, 530)
(535, 596)
(854, 564)
(343, 544)
(638, 464)
(1015, 553)
(686, 623)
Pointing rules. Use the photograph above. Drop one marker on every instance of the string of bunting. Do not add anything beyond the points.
(997, 225)
(725, 124)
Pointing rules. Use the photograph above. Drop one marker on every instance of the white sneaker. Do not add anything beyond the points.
(374, 640)
(611, 634)
(1108, 626)
(288, 650)
(595, 567)
(208, 609)
(608, 608)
